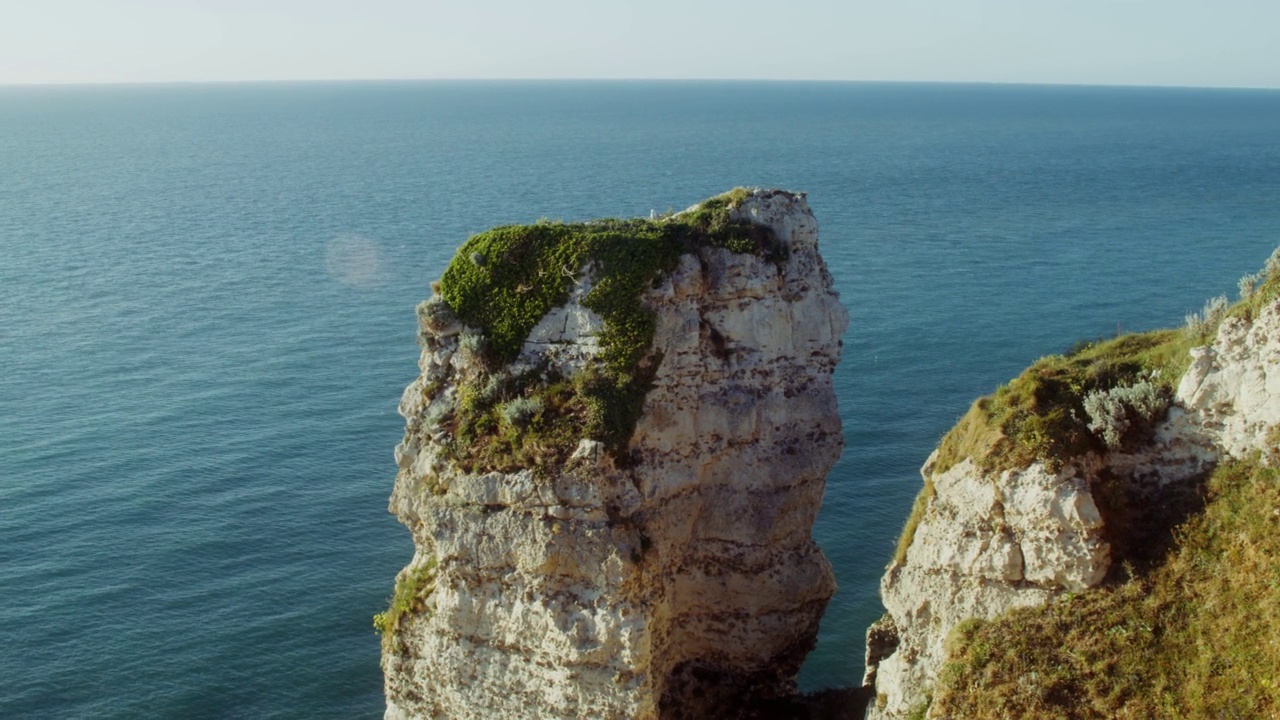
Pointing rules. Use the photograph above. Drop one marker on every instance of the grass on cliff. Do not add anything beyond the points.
(412, 591)
(507, 422)
(502, 282)
(1257, 290)
(913, 521)
(1196, 637)
(1041, 414)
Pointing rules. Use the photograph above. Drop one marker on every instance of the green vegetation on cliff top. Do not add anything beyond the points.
(1041, 415)
(503, 281)
(1047, 413)
(1187, 624)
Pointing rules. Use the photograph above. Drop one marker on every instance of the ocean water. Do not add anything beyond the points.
(207, 316)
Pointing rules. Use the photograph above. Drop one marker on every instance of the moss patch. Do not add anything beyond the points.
(1194, 637)
(502, 282)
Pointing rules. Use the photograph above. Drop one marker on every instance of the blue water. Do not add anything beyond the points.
(206, 319)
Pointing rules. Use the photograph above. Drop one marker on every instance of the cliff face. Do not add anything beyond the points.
(669, 573)
(989, 541)
(986, 544)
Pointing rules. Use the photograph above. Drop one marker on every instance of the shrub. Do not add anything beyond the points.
(436, 415)
(505, 422)
(520, 411)
(1215, 309)
(435, 316)
(1272, 267)
(1113, 412)
(492, 388)
(1248, 284)
(473, 349)
(1265, 290)
(1202, 324)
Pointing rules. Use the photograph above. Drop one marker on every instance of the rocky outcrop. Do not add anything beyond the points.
(674, 576)
(986, 544)
(990, 542)
(1231, 388)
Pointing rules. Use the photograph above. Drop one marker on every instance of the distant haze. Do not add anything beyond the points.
(1229, 43)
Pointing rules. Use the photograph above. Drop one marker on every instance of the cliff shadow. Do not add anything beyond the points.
(1139, 518)
(697, 691)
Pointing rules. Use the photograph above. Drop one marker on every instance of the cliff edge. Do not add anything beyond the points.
(1051, 509)
(612, 462)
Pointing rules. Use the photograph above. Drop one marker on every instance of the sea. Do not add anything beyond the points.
(207, 317)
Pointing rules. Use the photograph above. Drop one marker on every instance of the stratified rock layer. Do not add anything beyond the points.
(988, 543)
(675, 586)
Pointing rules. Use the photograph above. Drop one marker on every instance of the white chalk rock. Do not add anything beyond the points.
(603, 591)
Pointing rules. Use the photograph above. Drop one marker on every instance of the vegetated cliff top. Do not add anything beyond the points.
(1189, 624)
(1047, 414)
(502, 282)
(1042, 414)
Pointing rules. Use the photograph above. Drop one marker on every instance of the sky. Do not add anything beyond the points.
(1223, 43)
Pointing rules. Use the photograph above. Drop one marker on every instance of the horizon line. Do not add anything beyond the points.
(533, 80)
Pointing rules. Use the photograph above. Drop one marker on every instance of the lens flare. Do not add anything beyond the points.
(354, 260)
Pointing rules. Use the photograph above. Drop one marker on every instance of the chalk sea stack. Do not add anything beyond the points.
(612, 463)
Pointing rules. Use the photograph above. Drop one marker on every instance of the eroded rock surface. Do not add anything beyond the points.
(673, 583)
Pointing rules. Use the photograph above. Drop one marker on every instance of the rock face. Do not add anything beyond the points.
(985, 545)
(673, 582)
(988, 543)
(1230, 391)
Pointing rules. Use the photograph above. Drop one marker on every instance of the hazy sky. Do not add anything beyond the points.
(1144, 42)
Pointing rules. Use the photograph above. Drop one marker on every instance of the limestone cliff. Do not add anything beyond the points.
(989, 539)
(649, 553)
(985, 544)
